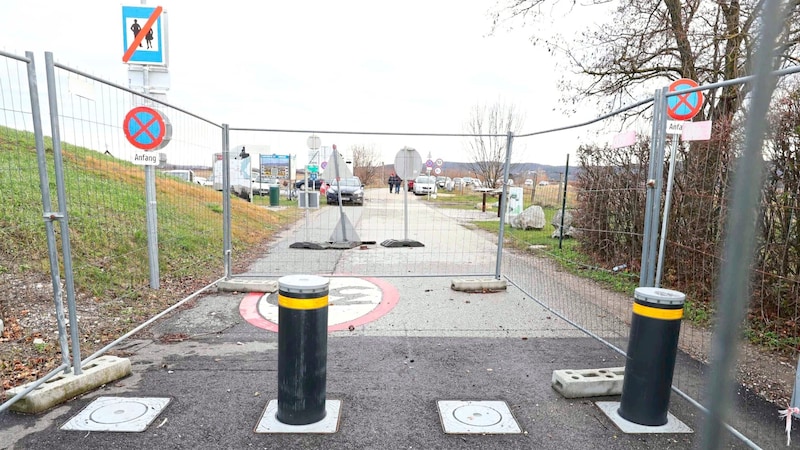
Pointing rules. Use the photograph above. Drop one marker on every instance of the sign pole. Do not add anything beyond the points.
(681, 107)
(314, 143)
(407, 164)
(667, 202)
(152, 204)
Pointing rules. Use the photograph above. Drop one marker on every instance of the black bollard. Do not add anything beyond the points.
(302, 348)
(652, 348)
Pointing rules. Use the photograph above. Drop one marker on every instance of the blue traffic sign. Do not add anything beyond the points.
(146, 129)
(142, 44)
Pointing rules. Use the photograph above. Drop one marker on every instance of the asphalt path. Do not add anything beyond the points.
(432, 344)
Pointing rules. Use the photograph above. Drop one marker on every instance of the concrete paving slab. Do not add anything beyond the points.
(673, 425)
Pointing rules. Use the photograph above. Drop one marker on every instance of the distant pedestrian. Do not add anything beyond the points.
(394, 183)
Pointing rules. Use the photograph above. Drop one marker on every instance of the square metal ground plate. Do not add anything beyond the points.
(269, 423)
(477, 417)
(120, 414)
(673, 425)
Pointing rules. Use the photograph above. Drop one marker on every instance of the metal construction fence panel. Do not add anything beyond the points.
(590, 281)
(28, 233)
(587, 278)
(406, 217)
(91, 116)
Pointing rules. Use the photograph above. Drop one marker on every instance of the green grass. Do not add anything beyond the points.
(569, 256)
(107, 223)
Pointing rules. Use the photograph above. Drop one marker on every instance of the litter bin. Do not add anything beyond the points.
(274, 195)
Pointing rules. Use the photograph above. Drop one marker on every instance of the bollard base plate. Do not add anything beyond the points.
(269, 423)
(673, 425)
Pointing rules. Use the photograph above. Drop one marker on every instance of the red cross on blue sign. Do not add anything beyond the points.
(684, 106)
(145, 128)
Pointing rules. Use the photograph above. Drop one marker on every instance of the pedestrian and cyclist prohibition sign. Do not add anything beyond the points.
(684, 106)
(147, 129)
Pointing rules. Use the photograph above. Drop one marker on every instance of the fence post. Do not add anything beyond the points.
(47, 207)
(502, 206)
(563, 205)
(734, 285)
(654, 181)
(226, 202)
(66, 248)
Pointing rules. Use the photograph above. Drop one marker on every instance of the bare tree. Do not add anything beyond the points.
(487, 149)
(645, 44)
(365, 162)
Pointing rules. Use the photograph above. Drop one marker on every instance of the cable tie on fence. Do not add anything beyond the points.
(787, 413)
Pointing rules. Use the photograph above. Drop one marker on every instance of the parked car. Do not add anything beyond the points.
(351, 190)
(261, 185)
(424, 184)
(185, 175)
(458, 182)
(543, 183)
(315, 184)
(442, 181)
(528, 182)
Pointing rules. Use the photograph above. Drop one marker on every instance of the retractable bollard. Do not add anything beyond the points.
(652, 348)
(302, 348)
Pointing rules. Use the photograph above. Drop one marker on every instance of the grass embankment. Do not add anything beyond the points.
(106, 207)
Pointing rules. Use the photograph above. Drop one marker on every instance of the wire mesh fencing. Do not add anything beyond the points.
(583, 260)
(91, 115)
(28, 247)
(376, 221)
(590, 281)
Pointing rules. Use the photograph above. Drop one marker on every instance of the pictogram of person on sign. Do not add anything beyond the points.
(149, 38)
(136, 28)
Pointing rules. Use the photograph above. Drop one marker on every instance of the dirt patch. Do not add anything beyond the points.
(29, 343)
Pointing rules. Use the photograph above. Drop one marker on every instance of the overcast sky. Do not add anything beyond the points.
(412, 66)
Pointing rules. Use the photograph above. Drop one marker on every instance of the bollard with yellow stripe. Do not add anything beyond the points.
(302, 348)
(650, 361)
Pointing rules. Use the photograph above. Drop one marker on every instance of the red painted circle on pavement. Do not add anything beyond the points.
(249, 308)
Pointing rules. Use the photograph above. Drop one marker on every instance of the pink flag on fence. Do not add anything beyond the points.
(696, 131)
(624, 139)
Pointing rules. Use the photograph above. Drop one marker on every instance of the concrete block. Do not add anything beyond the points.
(248, 285)
(477, 285)
(588, 382)
(63, 387)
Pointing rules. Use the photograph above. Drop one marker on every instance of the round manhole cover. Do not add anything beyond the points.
(119, 412)
(477, 415)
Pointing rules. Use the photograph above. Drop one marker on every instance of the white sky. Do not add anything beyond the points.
(413, 66)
